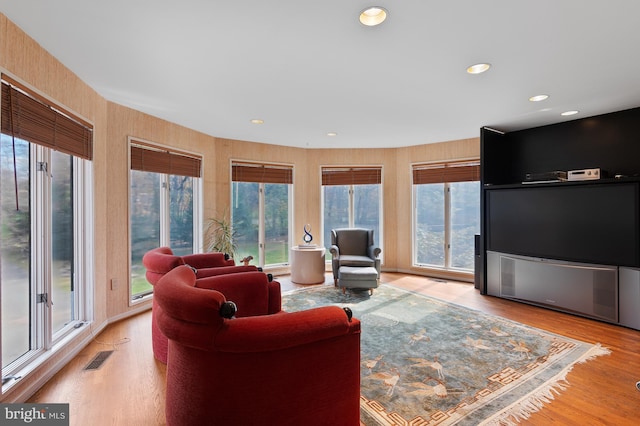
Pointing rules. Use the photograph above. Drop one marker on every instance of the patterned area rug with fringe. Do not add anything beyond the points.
(430, 362)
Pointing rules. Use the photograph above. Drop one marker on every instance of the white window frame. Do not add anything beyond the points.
(261, 208)
(447, 225)
(165, 209)
(43, 340)
(378, 239)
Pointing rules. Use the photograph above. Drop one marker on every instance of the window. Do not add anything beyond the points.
(45, 208)
(446, 214)
(163, 192)
(352, 198)
(261, 212)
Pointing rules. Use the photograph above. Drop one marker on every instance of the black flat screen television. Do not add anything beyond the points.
(589, 223)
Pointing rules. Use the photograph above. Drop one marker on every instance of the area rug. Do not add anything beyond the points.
(425, 361)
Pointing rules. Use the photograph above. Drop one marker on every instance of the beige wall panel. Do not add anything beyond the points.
(307, 198)
(119, 121)
(101, 178)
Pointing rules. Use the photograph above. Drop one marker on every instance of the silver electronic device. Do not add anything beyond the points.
(584, 174)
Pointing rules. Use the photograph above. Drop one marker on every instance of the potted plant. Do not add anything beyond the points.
(219, 236)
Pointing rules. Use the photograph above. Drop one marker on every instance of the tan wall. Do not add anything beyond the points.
(26, 61)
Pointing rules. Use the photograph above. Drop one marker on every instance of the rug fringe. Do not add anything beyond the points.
(535, 401)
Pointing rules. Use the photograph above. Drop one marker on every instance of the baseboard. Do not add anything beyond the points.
(436, 273)
(135, 310)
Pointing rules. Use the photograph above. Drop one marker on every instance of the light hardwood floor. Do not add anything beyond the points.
(129, 388)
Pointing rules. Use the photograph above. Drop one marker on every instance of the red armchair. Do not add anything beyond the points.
(300, 368)
(161, 260)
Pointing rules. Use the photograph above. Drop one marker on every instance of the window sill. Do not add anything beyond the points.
(142, 298)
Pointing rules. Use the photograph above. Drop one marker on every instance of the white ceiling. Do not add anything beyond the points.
(309, 68)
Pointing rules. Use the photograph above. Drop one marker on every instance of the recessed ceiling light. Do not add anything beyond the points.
(373, 16)
(478, 68)
(570, 113)
(257, 121)
(538, 98)
(332, 134)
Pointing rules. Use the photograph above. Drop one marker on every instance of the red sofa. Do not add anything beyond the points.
(161, 260)
(299, 368)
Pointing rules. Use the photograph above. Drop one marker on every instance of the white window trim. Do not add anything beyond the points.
(261, 209)
(46, 343)
(379, 239)
(447, 232)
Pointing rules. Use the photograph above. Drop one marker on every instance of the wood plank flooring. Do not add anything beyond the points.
(129, 388)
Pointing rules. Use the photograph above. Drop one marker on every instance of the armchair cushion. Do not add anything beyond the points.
(351, 260)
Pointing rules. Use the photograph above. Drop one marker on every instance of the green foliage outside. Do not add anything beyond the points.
(245, 217)
(145, 220)
(430, 223)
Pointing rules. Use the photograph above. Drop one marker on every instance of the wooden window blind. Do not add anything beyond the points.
(30, 118)
(351, 175)
(462, 171)
(148, 159)
(261, 173)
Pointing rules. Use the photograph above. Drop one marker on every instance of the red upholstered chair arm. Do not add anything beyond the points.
(287, 330)
(207, 260)
(179, 298)
(223, 270)
(158, 262)
(187, 313)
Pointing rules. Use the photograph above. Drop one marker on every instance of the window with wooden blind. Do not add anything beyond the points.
(45, 210)
(164, 195)
(262, 209)
(446, 214)
(352, 198)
